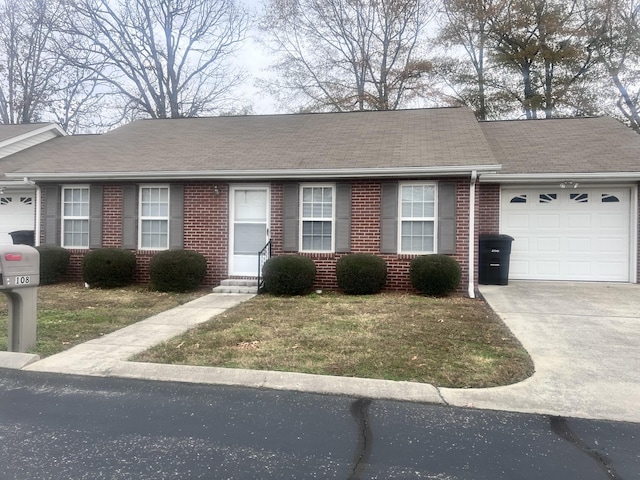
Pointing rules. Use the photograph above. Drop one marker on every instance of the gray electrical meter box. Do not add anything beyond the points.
(19, 280)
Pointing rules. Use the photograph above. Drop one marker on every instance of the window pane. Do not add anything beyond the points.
(154, 234)
(76, 233)
(249, 238)
(417, 236)
(316, 236)
(418, 201)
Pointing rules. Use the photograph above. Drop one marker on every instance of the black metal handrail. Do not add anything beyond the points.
(263, 256)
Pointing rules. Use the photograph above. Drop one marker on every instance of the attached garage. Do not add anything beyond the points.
(569, 233)
(17, 212)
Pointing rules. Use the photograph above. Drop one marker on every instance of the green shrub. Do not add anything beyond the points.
(361, 274)
(289, 275)
(108, 267)
(54, 261)
(435, 275)
(177, 270)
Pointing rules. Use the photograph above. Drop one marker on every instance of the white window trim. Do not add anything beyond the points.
(142, 218)
(303, 219)
(63, 217)
(433, 219)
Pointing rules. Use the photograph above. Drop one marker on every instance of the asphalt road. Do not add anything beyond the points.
(64, 427)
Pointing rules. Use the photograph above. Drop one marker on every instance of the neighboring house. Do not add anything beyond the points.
(396, 183)
(17, 196)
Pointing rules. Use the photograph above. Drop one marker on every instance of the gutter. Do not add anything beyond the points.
(516, 178)
(262, 174)
(471, 290)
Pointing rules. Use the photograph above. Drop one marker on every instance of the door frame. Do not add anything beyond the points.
(230, 253)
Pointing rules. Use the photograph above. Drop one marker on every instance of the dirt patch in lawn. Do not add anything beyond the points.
(452, 342)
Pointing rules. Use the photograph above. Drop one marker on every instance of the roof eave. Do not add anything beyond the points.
(54, 127)
(519, 178)
(271, 174)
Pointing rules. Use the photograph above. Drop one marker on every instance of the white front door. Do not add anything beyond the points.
(249, 221)
(568, 234)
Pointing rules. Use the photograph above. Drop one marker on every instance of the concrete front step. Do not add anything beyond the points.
(237, 286)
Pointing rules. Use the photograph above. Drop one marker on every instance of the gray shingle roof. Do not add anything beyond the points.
(445, 139)
(358, 140)
(570, 145)
(9, 131)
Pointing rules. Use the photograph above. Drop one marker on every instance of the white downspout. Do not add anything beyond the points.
(472, 233)
(38, 200)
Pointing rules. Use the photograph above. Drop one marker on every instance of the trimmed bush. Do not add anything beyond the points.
(435, 275)
(108, 268)
(54, 261)
(361, 274)
(177, 270)
(289, 275)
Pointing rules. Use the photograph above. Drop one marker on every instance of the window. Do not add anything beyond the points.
(417, 218)
(519, 198)
(75, 217)
(579, 197)
(548, 197)
(154, 217)
(317, 219)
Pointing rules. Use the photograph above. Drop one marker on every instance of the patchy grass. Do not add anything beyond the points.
(453, 342)
(69, 314)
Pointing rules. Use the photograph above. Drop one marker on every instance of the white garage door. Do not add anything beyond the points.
(568, 234)
(17, 212)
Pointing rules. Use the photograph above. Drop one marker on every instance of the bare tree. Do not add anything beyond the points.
(467, 24)
(615, 27)
(28, 69)
(166, 58)
(544, 42)
(347, 54)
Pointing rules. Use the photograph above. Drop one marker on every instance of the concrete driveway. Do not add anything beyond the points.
(584, 339)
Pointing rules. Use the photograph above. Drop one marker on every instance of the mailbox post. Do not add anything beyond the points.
(19, 280)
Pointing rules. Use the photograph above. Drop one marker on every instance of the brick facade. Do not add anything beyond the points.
(206, 230)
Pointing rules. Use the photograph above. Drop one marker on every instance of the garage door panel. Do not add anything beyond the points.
(550, 268)
(548, 245)
(548, 221)
(568, 235)
(578, 220)
(579, 245)
(517, 221)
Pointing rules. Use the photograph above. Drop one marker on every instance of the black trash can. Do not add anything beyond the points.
(493, 259)
(23, 237)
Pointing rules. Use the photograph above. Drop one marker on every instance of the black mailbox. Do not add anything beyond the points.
(493, 259)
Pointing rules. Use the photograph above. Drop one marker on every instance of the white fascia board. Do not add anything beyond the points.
(33, 133)
(519, 178)
(285, 174)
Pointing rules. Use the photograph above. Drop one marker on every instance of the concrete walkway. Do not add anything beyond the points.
(584, 340)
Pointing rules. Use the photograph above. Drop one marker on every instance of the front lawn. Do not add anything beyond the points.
(69, 314)
(452, 342)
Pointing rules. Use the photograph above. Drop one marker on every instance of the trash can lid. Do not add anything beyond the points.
(496, 236)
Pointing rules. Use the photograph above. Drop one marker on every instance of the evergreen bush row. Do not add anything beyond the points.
(169, 270)
(361, 274)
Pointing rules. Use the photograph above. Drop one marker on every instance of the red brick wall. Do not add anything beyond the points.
(112, 216)
(365, 235)
(206, 229)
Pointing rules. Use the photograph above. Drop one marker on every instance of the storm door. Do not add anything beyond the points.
(249, 225)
